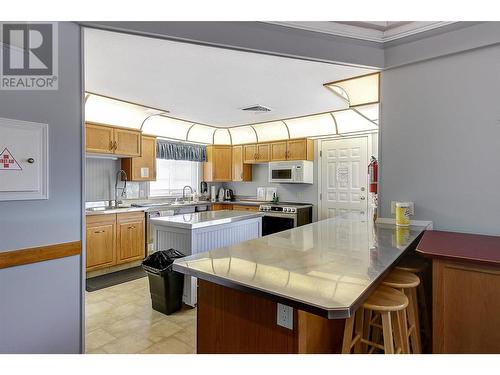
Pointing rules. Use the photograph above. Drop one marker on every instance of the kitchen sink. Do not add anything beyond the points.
(106, 208)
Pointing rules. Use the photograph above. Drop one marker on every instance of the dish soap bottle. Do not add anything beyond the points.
(276, 199)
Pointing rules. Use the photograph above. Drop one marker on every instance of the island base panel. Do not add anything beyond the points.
(232, 321)
(466, 307)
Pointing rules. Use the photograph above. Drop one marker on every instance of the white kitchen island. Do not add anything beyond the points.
(203, 231)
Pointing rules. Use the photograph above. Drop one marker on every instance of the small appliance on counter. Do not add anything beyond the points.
(221, 195)
(203, 187)
(228, 195)
(213, 198)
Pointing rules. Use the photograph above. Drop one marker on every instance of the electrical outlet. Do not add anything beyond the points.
(285, 316)
(393, 208)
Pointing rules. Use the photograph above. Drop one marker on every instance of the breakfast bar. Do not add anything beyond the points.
(318, 274)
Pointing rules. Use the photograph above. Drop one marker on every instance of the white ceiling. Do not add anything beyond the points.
(374, 31)
(208, 85)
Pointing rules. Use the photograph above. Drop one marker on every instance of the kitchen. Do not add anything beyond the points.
(145, 167)
(268, 181)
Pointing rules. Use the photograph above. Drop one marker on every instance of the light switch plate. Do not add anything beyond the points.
(285, 316)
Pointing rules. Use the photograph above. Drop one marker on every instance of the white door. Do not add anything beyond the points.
(344, 177)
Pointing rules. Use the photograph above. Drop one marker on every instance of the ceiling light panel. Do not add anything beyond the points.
(349, 121)
(166, 127)
(310, 126)
(243, 134)
(108, 111)
(201, 134)
(271, 131)
(222, 137)
(359, 90)
(371, 111)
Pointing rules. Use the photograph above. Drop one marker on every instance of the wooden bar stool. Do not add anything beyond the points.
(407, 283)
(418, 266)
(391, 305)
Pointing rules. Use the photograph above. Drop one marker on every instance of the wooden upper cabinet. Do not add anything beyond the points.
(279, 151)
(262, 152)
(127, 142)
(102, 139)
(256, 153)
(99, 139)
(241, 171)
(130, 237)
(293, 149)
(249, 153)
(142, 168)
(218, 166)
(300, 149)
(100, 247)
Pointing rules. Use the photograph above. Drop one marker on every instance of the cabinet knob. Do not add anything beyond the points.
(111, 145)
(116, 145)
(31, 160)
(132, 227)
(99, 231)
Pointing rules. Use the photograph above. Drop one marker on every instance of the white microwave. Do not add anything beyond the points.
(291, 172)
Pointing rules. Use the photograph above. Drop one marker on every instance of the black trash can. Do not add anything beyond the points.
(165, 285)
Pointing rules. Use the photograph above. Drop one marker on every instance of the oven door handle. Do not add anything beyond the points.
(283, 215)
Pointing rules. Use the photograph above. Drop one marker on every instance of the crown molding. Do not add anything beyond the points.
(362, 33)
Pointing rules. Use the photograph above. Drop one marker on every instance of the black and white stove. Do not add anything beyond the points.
(283, 216)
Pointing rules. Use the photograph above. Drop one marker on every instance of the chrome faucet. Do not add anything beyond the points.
(184, 191)
(123, 189)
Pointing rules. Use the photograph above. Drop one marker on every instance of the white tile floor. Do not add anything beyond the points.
(120, 320)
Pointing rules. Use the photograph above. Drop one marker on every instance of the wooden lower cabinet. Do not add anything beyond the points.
(101, 249)
(243, 207)
(129, 237)
(114, 239)
(234, 322)
(466, 307)
(220, 207)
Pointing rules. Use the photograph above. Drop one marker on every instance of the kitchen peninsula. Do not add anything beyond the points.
(202, 231)
(324, 271)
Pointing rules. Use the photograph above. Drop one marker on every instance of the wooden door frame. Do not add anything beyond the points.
(370, 150)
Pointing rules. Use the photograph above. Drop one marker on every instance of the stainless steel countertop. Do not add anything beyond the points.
(204, 219)
(166, 205)
(328, 267)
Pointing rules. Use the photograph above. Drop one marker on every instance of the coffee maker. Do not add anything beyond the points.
(228, 195)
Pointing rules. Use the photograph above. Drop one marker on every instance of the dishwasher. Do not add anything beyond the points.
(166, 211)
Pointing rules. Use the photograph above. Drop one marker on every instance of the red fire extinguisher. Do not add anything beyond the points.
(373, 174)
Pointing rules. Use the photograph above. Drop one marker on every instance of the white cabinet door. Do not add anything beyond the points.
(23, 160)
(344, 177)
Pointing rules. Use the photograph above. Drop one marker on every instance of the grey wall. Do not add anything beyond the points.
(40, 309)
(100, 175)
(439, 140)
